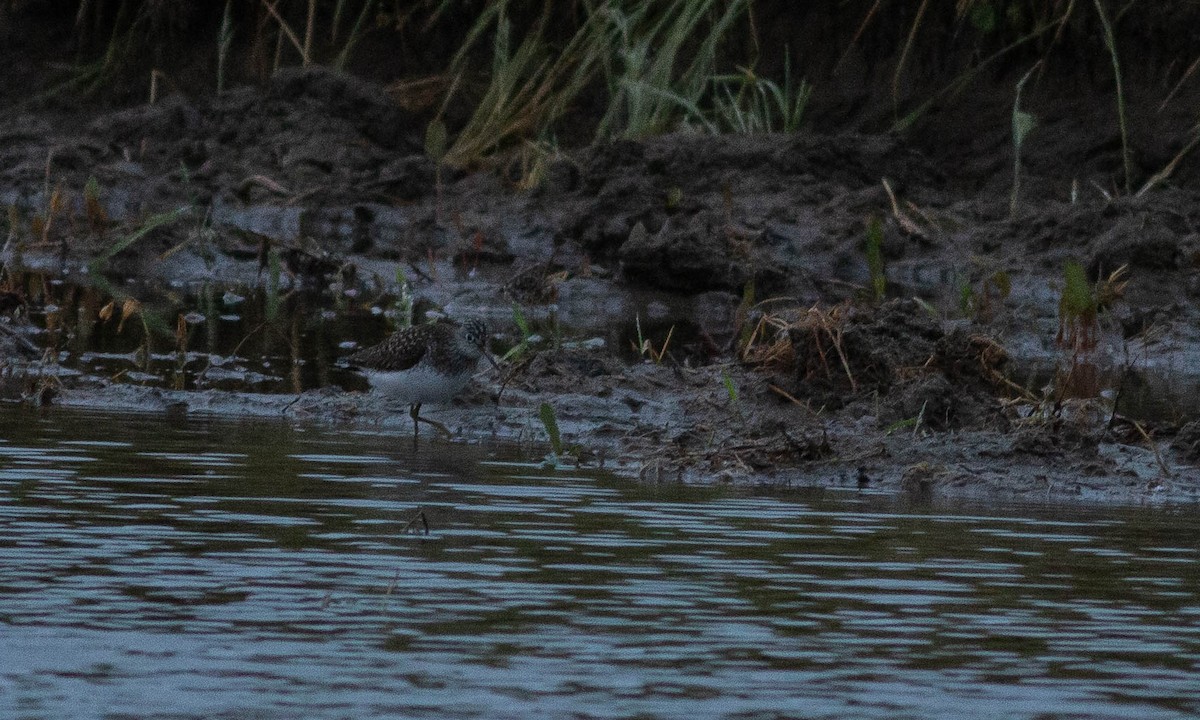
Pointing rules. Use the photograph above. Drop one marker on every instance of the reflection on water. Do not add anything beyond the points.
(200, 336)
(229, 336)
(218, 569)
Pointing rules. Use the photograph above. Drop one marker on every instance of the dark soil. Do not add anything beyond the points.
(929, 392)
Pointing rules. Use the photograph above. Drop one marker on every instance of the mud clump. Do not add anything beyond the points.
(574, 368)
(699, 255)
(1137, 242)
(901, 360)
(686, 214)
(349, 98)
(1187, 442)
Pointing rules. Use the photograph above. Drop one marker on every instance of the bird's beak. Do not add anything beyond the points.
(492, 360)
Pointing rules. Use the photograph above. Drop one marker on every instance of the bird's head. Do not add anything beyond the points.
(475, 333)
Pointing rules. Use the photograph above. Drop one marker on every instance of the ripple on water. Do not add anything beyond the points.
(208, 569)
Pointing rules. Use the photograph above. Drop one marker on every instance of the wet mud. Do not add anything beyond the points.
(699, 309)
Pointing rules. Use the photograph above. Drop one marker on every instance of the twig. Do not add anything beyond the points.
(263, 181)
(1153, 447)
(1186, 74)
(1165, 173)
(270, 6)
(906, 223)
(419, 516)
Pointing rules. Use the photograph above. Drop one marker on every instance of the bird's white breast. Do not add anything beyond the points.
(419, 384)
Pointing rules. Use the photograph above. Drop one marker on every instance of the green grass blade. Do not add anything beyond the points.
(875, 259)
(551, 423)
(151, 224)
(520, 321)
(1110, 42)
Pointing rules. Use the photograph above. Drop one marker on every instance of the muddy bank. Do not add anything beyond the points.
(919, 407)
(796, 354)
(675, 424)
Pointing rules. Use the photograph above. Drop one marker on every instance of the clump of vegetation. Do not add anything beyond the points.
(1083, 398)
(560, 453)
(528, 339)
(663, 62)
(56, 223)
(1079, 307)
(128, 308)
(828, 357)
(807, 342)
(745, 103)
(403, 304)
(818, 344)
(526, 91)
(644, 346)
(981, 304)
(1081, 303)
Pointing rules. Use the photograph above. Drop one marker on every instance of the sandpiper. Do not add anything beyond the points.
(428, 363)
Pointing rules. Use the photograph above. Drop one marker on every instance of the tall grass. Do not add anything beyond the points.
(656, 62)
(746, 103)
(624, 68)
(1022, 124)
(224, 43)
(529, 86)
(1110, 42)
(664, 61)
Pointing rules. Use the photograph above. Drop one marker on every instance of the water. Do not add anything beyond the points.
(227, 335)
(209, 569)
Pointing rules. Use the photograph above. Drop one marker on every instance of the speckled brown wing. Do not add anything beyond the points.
(402, 351)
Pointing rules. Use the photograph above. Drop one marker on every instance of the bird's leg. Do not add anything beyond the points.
(415, 412)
